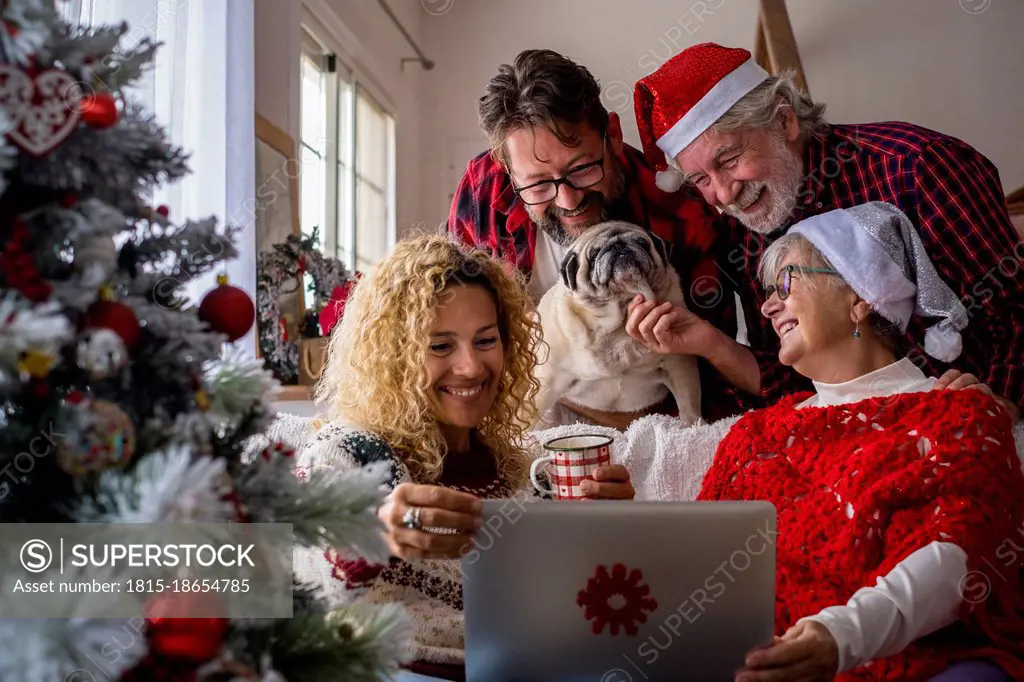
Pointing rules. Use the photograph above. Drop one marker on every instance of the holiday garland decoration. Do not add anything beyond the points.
(125, 387)
(632, 597)
(280, 271)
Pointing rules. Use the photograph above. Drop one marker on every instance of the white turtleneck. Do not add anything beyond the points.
(902, 376)
(922, 593)
(547, 265)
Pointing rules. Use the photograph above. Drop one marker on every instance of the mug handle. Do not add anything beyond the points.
(537, 463)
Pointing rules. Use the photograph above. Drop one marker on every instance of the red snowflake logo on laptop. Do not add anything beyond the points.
(618, 599)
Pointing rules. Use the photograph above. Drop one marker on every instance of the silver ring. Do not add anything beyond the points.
(412, 518)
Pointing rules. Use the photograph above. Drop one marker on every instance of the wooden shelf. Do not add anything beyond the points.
(289, 393)
(774, 44)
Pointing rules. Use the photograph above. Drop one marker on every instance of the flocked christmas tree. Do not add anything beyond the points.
(150, 419)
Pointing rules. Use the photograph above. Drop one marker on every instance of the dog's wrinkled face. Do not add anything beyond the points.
(615, 261)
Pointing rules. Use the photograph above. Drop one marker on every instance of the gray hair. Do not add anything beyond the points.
(887, 332)
(760, 108)
(776, 253)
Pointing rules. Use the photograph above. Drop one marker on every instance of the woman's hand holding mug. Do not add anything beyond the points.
(430, 522)
(580, 468)
(610, 482)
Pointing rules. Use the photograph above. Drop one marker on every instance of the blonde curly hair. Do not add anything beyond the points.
(375, 377)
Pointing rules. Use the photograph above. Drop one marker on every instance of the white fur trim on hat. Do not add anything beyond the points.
(943, 343)
(669, 180)
(711, 106)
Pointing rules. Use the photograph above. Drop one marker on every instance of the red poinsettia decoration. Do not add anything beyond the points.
(335, 308)
(618, 599)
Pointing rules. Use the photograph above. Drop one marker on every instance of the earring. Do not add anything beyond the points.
(856, 332)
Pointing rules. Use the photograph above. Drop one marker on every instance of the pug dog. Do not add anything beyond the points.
(591, 360)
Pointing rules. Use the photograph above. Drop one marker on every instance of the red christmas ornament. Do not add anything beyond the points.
(174, 632)
(631, 600)
(99, 111)
(228, 310)
(163, 210)
(115, 316)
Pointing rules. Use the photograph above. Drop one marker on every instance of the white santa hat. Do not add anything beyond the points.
(684, 97)
(876, 249)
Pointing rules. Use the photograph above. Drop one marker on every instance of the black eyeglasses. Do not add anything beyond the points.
(580, 177)
(784, 280)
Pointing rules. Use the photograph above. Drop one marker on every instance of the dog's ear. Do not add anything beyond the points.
(663, 248)
(570, 266)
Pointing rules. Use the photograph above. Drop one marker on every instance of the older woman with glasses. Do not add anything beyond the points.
(895, 501)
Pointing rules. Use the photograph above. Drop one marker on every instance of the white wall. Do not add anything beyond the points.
(378, 47)
(955, 67)
(278, 50)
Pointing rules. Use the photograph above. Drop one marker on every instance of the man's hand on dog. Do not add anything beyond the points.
(609, 483)
(667, 328)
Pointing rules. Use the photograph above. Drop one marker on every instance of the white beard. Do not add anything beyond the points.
(783, 187)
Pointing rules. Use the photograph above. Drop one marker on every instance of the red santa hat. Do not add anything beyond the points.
(685, 96)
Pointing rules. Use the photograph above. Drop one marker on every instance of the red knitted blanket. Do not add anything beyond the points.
(859, 487)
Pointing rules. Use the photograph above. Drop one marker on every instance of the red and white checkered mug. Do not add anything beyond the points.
(572, 460)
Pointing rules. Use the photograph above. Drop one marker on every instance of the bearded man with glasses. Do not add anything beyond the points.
(557, 165)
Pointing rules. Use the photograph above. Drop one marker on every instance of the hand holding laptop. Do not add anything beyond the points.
(807, 651)
(429, 521)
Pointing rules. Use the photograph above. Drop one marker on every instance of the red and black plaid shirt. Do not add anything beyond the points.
(487, 213)
(953, 196)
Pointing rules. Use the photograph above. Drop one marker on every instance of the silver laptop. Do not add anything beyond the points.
(618, 591)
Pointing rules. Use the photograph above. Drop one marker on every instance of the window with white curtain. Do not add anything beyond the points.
(314, 143)
(188, 89)
(162, 85)
(347, 143)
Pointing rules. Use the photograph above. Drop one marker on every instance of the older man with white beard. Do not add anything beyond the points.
(762, 153)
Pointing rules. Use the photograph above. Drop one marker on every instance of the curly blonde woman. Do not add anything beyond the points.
(431, 369)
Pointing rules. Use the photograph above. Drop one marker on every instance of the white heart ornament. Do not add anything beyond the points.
(44, 110)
